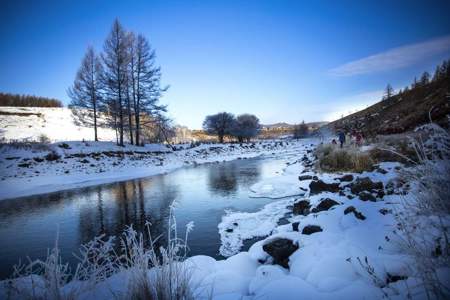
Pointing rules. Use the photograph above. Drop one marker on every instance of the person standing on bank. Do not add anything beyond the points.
(341, 136)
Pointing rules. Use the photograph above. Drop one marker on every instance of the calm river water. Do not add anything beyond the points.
(28, 226)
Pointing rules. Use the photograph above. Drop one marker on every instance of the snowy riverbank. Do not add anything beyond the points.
(38, 169)
(330, 236)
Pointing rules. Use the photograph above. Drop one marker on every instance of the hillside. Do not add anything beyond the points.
(402, 112)
(56, 124)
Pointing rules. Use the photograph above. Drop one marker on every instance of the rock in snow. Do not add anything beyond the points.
(325, 204)
(318, 186)
(310, 229)
(280, 249)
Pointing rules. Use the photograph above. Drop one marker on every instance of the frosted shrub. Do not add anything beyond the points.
(424, 217)
(42, 279)
(168, 278)
(152, 273)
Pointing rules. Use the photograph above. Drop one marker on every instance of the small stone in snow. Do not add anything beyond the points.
(310, 229)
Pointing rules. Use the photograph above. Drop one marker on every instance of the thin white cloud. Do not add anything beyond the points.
(394, 58)
(350, 104)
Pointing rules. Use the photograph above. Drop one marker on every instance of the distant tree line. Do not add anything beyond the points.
(123, 82)
(442, 72)
(301, 130)
(7, 99)
(243, 127)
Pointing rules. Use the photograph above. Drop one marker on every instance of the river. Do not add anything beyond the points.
(29, 225)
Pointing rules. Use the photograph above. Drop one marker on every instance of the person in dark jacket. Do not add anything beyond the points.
(341, 136)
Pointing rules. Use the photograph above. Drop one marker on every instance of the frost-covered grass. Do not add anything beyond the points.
(147, 272)
(424, 220)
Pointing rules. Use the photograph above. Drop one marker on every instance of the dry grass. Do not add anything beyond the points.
(154, 273)
(334, 159)
(423, 216)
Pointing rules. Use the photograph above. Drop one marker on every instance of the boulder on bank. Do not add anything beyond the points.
(325, 204)
(305, 177)
(365, 184)
(310, 229)
(366, 196)
(318, 186)
(280, 249)
(352, 209)
(295, 226)
(301, 207)
(346, 178)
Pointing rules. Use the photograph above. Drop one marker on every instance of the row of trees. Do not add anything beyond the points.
(242, 127)
(301, 130)
(442, 72)
(7, 99)
(122, 82)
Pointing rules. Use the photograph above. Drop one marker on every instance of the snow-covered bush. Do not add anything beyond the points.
(42, 279)
(152, 273)
(168, 277)
(424, 214)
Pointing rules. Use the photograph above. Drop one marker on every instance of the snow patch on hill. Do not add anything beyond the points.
(56, 123)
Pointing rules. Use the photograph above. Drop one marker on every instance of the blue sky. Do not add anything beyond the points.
(281, 60)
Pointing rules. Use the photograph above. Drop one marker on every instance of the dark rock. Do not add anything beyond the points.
(229, 230)
(315, 177)
(280, 249)
(341, 193)
(305, 177)
(350, 197)
(84, 161)
(381, 170)
(325, 204)
(283, 221)
(38, 159)
(52, 156)
(295, 226)
(394, 278)
(301, 208)
(366, 196)
(310, 229)
(385, 211)
(348, 177)
(64, 146)
(24, 165)
(365, 184)
(352, 209)
(318, 186)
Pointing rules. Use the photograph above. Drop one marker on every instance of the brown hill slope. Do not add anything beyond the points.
(402, 112)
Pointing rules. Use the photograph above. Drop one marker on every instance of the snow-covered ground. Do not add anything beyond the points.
(57, 124)
(346, 249)
(38, 169)
(314, 243)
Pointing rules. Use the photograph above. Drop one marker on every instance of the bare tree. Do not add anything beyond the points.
(115, 59)
(388, 92)
(425, 78)
(85, 91)
(220, 124)
(146, 78)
